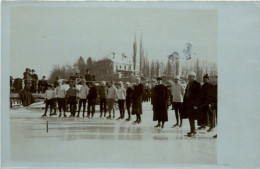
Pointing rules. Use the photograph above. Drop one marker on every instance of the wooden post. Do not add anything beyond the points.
(47, 126)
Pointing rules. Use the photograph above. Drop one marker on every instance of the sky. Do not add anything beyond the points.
(42, 37)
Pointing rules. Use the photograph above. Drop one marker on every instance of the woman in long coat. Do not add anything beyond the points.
(160, 103)
(137, 100)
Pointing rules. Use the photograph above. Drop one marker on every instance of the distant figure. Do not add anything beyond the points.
(177, 92)
(27, 78)
(111, 98)
(129, 93)
(61, 96)
(72, 99)
(26, 95)
(83, 93)
(192, 101)
(49, 95)
(77, 75)
(121, 96)
(93, 78)
(56, 83)
(88, 76)
(103, 98)
(34, 82)
(137, 100)
(18, 84)
(160, 103)
(42, 85)
(92, 96)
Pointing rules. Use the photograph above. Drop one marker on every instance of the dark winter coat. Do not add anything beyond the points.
(192, 98)
(88, 77)
(206, 95)
(92, 93)
(137, 99)
(160, 103)
(129, 93)
(26, 96)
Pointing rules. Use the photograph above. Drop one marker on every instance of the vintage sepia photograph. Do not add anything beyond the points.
(113, 85)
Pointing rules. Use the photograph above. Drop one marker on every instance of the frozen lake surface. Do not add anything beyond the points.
(103, 141)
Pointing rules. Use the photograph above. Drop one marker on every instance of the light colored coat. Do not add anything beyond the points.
(177, 91)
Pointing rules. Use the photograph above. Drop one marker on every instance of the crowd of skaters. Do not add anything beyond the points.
(195, 102)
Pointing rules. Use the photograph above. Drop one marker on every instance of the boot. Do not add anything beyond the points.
(60, 115)
(210, 129)
(128, 119)
(175, 125)
(44, 115)
(201, 127)
(158, 125)
(136, 121)
(180, 124)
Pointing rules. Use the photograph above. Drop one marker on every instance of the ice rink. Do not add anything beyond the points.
(99, 140)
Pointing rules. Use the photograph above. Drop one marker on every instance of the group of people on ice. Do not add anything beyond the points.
(196, 102)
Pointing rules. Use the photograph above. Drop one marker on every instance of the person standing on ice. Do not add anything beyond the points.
(102, 92)
(111, 98)
(205, 102)
(72, 98)
(92, 96)
(61, 94)
(177, 91)
(137, 108)
(160, 103)
(83, 93)
(49, 95)
(192, 101)
(121, 95)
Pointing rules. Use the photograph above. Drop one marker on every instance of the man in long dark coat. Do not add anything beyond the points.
(192, 101)
(160, 103)
(205, 102)
(137, 100)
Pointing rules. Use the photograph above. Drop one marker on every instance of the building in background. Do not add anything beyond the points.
(122, 66)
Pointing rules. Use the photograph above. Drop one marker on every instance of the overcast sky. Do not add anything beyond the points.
(44, 36)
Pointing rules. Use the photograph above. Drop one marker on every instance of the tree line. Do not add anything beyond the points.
(149, 69)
